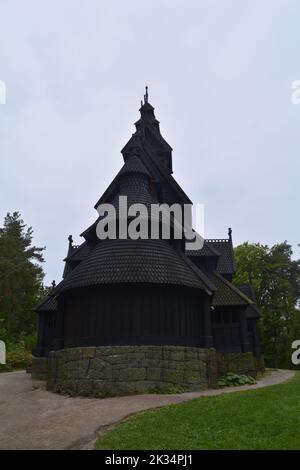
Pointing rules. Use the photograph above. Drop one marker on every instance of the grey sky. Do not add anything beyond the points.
(219, 74)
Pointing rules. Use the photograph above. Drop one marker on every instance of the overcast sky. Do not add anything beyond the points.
(219, 74)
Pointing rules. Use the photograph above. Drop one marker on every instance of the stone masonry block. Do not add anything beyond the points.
(154, 374)
(132, 374)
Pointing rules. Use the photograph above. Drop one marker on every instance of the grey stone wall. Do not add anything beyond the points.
(123, 370)
(240, 363)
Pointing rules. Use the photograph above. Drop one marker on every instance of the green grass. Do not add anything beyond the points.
(268, 418)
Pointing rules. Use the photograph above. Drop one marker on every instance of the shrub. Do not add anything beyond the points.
(234, 380)
(18, 355)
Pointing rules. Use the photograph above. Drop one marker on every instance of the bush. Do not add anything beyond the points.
(18, 355)
(234, 380)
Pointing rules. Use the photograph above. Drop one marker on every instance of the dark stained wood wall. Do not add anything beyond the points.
(153, 314)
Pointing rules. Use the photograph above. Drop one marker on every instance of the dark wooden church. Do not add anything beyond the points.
(123, 292)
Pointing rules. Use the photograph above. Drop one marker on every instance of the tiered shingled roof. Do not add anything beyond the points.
(155, 154)
(135, 261)
(147, 166)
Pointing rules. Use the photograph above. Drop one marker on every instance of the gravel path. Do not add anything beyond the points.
(32, 418)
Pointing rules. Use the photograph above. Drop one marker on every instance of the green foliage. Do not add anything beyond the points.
(234, 380)
(21, 289)
(18, 354)
(275, 277)
(20, 277)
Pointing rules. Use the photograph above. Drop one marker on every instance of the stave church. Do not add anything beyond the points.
(145, 315)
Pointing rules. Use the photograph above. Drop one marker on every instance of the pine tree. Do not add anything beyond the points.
(21, 277)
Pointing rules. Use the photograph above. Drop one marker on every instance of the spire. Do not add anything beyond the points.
(146, 95)
(148, 135)
(146, 107)
(147, 115)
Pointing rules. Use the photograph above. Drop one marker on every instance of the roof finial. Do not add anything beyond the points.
(146, 95)
(53, 283)
(70, 239)
(230, 233)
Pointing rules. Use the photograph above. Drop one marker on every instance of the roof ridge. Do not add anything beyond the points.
(214, 240)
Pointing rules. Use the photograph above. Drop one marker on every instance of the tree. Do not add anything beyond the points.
(276, 281)
(21, 277)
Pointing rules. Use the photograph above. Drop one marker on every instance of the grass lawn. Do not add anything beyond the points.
(268, 418)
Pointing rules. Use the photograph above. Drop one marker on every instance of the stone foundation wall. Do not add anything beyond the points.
(39, 368)
(240, 363)
(123, 370)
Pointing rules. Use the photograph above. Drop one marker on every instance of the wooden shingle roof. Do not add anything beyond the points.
(133, 165)
(226, 263)
(49, 303)
(135, 261)
(206, 251)
(227, 294)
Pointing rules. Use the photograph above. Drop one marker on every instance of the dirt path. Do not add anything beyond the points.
(32, 418)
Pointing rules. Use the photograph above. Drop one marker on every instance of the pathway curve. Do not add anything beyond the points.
(33, 418)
